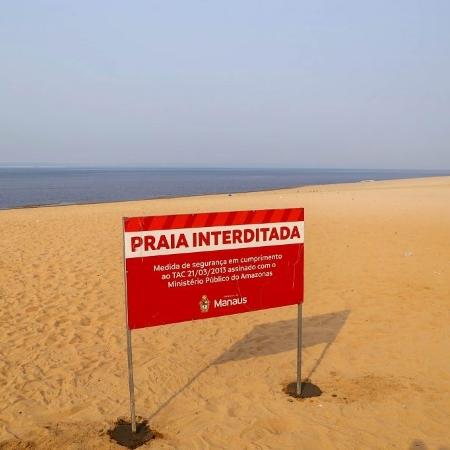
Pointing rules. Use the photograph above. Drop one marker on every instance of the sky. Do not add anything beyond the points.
(307, 84)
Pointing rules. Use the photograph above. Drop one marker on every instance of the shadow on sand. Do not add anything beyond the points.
(277, 337)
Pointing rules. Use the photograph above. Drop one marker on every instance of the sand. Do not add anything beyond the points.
(376, 331)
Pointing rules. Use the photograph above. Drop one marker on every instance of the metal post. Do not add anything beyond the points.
(131, 381)
(129, 347)
(299, 350)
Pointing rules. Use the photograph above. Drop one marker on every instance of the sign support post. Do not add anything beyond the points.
(299, 349)
(131, 381)
(129, 346)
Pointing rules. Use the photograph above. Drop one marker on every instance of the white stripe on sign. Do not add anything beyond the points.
(141, 244)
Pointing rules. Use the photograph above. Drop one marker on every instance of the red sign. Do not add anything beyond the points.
(195, 266)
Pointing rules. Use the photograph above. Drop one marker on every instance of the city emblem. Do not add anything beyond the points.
(204, 304)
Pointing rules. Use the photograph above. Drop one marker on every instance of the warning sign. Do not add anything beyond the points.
(196, 266)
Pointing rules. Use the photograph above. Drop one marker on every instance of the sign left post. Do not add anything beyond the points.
(129, 343)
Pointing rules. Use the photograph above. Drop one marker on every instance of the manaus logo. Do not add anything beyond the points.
(204, 304)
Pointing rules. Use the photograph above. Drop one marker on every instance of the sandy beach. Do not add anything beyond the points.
(376, 330)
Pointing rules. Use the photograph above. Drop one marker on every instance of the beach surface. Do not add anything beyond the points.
(376, 330)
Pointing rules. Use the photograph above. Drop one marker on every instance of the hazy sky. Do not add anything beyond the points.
(347, 84)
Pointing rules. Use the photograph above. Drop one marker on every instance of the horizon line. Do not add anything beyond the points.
(44, 165)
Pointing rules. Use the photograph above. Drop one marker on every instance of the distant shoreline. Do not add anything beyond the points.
(175, 196)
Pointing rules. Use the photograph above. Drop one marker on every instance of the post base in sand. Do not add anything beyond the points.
(122, 433)
(309, 390)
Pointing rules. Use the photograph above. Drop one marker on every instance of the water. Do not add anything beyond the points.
(21, 187)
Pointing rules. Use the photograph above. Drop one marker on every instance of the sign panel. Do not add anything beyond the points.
(195, 266)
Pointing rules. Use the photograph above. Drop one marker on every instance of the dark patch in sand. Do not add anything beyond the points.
(308, 390)
(122, 434)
